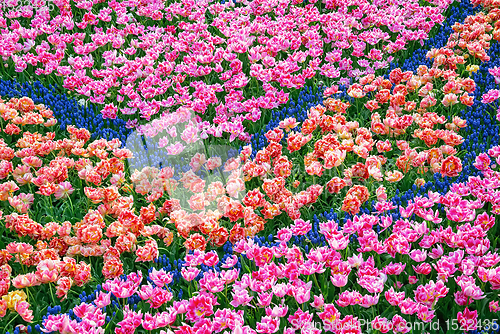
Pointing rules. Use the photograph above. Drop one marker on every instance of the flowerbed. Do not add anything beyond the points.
(227, 62)
(443, 254)
(166, 229)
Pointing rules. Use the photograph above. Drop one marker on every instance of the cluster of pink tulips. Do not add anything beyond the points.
(226, 62)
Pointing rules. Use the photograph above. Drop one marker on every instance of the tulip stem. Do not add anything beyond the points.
(52, 293)
(316, 281)
(30, 296)
(48, 202)
(7, 326)
(71, 205)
